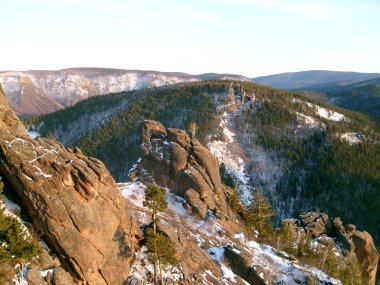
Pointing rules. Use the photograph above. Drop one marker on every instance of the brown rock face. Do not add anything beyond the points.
(188, 168)
(72, 200)
(357, 243)
(34, 277)
(9, 122)
(367, 254)
(194, 259)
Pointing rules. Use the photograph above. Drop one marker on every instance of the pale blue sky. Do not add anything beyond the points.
(249, 37)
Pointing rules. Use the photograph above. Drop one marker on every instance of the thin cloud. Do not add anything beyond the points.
(309, 9)
(315, 9)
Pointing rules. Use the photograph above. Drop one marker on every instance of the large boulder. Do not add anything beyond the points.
(367, 254)
(71, 199)
(184, 165)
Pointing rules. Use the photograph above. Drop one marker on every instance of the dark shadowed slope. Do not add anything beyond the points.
(297, 80)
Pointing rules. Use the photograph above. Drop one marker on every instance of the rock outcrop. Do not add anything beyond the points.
(367, 254)
(194, 259)
(355, 243)
(72, 200)
(240, 261)
(239, 98)
(187, 168)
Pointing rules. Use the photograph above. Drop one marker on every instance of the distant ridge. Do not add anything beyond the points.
(38, 92)
(301, 79)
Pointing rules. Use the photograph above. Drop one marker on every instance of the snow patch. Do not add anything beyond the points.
(217, 255)
(142, 268)
(20, 277)
(351, 138)
(309, 121)
(325, 113)
(34, 134)
(134, 192)
(284, 269)
(45, 272)
(225, 150)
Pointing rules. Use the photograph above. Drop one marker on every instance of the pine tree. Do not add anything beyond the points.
(260, 214)
(351, 274)
(161, 249)
(12, 234)
(155, 200)
(330, 261)
(286, 238)
(236, 205)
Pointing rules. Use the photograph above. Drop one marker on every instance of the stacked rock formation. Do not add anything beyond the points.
(355, 243)
(72, 200)
(188, 168)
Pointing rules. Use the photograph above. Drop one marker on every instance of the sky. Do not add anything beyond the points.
(248, 37)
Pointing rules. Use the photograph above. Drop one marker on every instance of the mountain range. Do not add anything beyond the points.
(40, 92)
(304, 79)
(352, 90)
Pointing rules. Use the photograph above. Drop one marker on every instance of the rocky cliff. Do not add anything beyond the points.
(71, 199)
(183, 164)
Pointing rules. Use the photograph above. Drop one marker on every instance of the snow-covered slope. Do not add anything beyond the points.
(42, 92)
(55, 90)
(249, 164)
(272, 266)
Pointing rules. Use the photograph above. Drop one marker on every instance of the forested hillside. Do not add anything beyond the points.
(326, 157)
(302, 79)
(362, 96)
(328, 162)
(115, 136)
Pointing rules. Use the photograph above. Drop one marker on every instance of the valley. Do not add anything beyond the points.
(351, 90)
(279, 142)
(190, 142)
(299, 152)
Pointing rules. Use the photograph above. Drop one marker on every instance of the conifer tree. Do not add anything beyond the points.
(16, 244)
(155, 200)
(161, 249)
(351, 274)
(330, 261)
(286, 238)
(259, 215)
